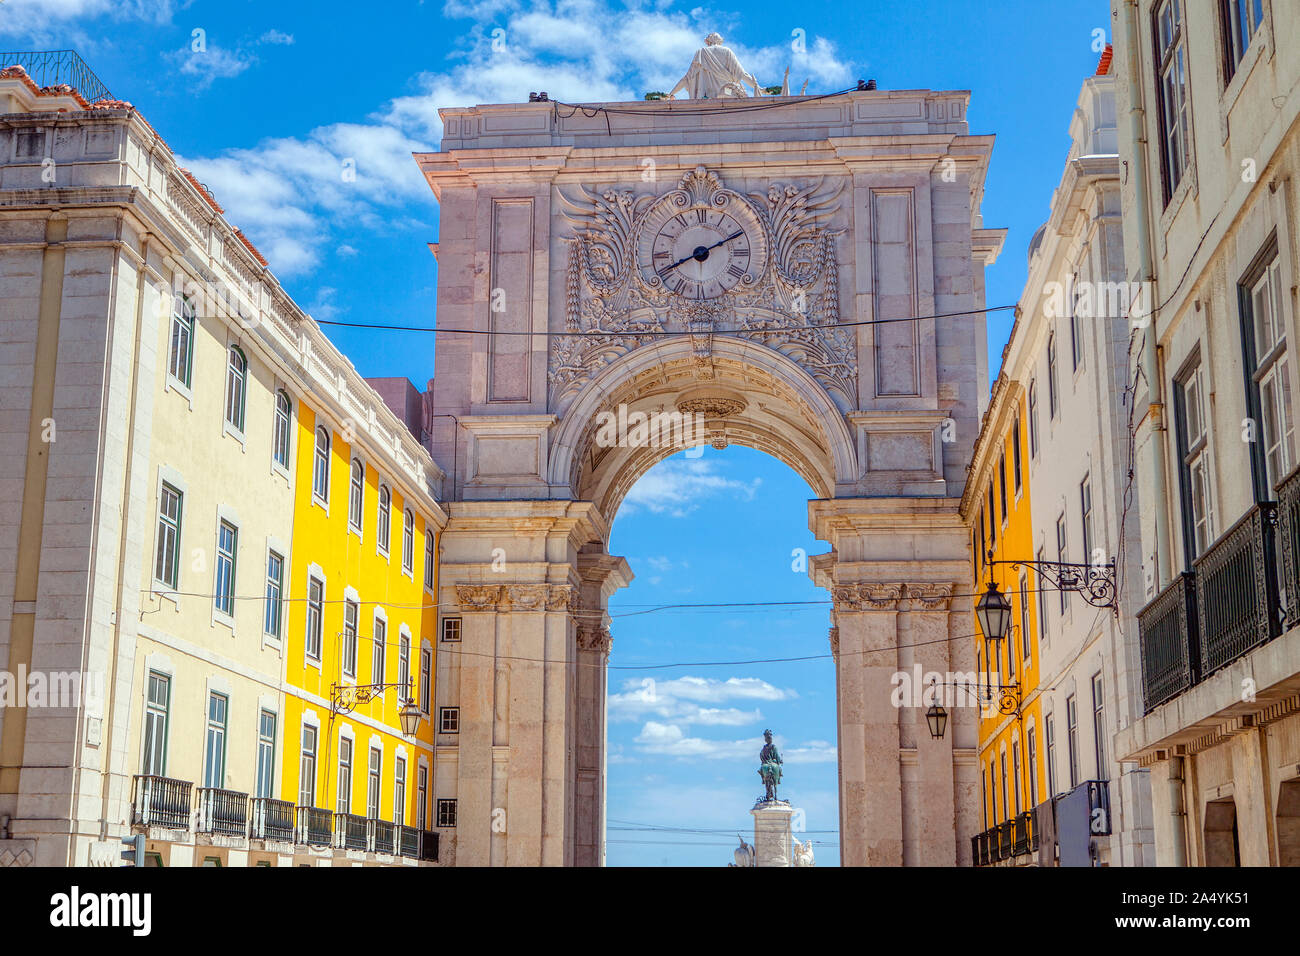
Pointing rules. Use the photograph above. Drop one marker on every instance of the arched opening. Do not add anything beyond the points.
(1222, 847)
(1288, 823)
(701, 661)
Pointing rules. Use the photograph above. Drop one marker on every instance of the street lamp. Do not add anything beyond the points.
(409, 715)
(936, 716)
(993, 611)
(344, 698)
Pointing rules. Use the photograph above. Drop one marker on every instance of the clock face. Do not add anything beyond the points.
(701, 252)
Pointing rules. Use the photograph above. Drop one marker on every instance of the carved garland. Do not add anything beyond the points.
(516, 597)
(929, 596)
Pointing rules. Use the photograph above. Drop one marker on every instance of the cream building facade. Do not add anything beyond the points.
(153, 369)
(801, 227)
(1207, 105)
(1069, 352)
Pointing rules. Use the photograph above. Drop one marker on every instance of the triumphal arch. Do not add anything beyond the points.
(798, 274)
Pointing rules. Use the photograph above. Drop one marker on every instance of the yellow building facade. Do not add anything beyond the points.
(360, 632)
(996, 506)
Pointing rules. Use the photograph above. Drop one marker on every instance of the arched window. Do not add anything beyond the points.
(321, 474)
(428, 558)
(356, 493)
(404, 660)
(236, 385)
(283, 420)
(408, 541)
(385, 508)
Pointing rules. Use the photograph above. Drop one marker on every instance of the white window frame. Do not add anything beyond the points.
(356, 496)
(317, 634)
(234, 416)
(383, 520)
(282, 432)
(320, 469)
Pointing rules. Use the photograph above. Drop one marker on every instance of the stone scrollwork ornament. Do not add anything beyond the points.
(706, 260)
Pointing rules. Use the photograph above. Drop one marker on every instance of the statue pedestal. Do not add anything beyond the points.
(772, 833)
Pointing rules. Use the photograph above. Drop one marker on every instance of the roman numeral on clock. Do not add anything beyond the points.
(735, 270)
(701, 216)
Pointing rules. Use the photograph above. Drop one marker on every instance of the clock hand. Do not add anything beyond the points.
(701, 252)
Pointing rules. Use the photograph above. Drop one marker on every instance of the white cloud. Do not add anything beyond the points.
(694, 700)
(814, 751)
(670, 740)
(678, 486)
(346, 252)
(33, 17)
(211, 63)
(277, 38)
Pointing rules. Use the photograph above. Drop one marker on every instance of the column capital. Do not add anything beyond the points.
(893, 596)
(595, 638)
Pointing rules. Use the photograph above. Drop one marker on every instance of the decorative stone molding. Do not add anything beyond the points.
(594, 638)
(517, 597)
(879, 596)
(712, 406)
(478, 597)
(934, 596)
(835, 642)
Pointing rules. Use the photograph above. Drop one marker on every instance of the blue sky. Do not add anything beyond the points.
(271, 103)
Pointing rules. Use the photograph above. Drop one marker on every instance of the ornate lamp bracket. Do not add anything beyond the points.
(1095, 583)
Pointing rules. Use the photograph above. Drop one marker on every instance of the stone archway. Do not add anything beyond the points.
(857, 215)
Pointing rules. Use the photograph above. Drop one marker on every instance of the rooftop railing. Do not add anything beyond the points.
(56, 68)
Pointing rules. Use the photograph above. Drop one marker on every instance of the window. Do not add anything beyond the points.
(979, 551)
(1024, 615)
(1011, 653)
(1171, 74)
(274, 594)
(1006, 803)
(404, 660)
(372, 785)
(1099, 726)
(320, 486)
(448, 720)
(356, 493)
(446, 813)
(1051, 756)
(315, 611)
(1072, 737)
(1042, 608)
(236, 386)
(408, 542)
(1052, 395)
(993, 793)
(1085, 511)
(265, 754)
(385, 511)
(224, 591)
(1060, 556)
(154, 752)
(1015, 452)
(1031, 755)
(379, 642)
(180, 358)
(993, 528)
(1002, 486)
(984, 789)
(283, 419)
(1264, 333)
(349, 662)
(1015, 772)
(307, 768)
(1195, 485)
(1033, 419)
(1076, 331)
(428, 560)
(167, 564)
(426, 677)
(399, 790)
(345, 776)
(422, 797)
(451, 630)
(214, 749)
(1241, 21)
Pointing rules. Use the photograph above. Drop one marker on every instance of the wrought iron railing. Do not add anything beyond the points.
(161, 802)
(1288, 543)
(57, 67)
(1004, 841)
(313, 826)
(383, 836)
(1170, 651)
(1236, 589)
(271, 819)
(429, 845)
(224, 812)
(408, 842)
(351, 832)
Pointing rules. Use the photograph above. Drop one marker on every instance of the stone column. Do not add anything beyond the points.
(510, 570)
(892, 574)
(602, 575)
(772, 833)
